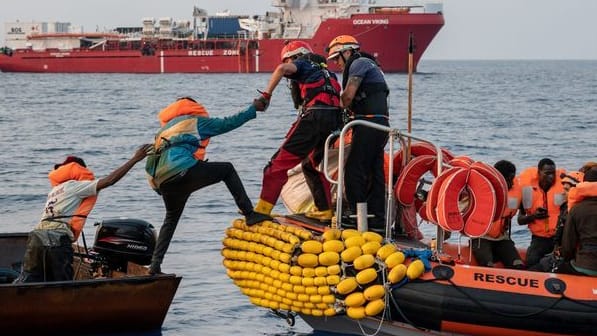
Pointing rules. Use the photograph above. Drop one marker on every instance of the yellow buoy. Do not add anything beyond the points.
(308, 260)
(330, 312)
(355, 299)
(321, 271)
(366, 276)
(415, 269)
(332, 279)
(347, 285)
(354, 241)
(385, 251)
(351, 253)
(364, 261)
(329, 258)
(375, 307)
(347, 233)
(397, 273)
(308, 272)
(356, 313)
(331, 234)
(394, 259)
(374, 292)
(296, 270)
(333, 246)
(312, 246)
(370, 247)
(334, 270)
(371, 236)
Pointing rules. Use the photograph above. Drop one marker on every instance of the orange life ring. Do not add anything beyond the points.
(408, 180)
(433, 194)
(486, 189)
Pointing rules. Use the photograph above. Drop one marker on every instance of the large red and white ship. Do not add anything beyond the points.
(225, 43)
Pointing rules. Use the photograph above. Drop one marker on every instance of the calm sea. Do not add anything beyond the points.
(490, 110)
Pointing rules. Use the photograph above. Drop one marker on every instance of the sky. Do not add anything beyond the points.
(474, 29)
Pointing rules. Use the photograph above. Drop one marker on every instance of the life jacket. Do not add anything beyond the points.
(534, 197)
(74, 171)
(363, 104)
(181, 107)
(580, 192)
(325, 90)
(499, 226)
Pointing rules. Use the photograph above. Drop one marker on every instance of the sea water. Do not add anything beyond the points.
(520, 111)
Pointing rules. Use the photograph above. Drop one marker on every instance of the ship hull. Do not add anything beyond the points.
(385, 36)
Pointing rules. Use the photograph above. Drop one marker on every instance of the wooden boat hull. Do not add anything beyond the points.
(125, 302)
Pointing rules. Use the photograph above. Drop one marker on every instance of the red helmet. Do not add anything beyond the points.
(294, 48)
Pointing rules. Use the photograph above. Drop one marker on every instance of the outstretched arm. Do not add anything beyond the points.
(284, 69)
(117, 174)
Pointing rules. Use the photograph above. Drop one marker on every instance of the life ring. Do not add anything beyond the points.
(418, 149)
(461, 161)
(482, 211)
(500, 186)
(448, 206)
(408, 180)
(433, 195)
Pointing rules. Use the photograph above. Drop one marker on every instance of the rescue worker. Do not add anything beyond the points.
(178, 166)
(364, 95)
(579, 240)
(49, 254)
(542, 196)
(497, 245)
(315, 92)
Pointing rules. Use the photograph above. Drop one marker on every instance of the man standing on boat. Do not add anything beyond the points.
(178, 166)
(364, 95)
(49, 254)
(315, 92)
(542, 196)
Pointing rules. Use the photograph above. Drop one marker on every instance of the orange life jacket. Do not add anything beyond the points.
(514, 198)
(74, 171)
(533, 197)
(580, 191)
(184, 107)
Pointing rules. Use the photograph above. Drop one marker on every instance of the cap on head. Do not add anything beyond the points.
(341, 43)
(295, 48)
(70, 159)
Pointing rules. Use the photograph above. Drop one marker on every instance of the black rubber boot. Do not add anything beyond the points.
(255, 217)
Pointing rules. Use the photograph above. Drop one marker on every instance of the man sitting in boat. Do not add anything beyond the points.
(541, 199)
(579, 240)
(49, 253)
(316, 93)
(551, 261)
(497, 244)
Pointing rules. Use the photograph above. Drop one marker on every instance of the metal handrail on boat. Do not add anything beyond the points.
(394, 134)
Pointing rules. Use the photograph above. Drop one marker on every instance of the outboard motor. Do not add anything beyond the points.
(121, 240)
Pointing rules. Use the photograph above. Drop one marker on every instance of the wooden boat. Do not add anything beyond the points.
(102, 298)
(285, 266)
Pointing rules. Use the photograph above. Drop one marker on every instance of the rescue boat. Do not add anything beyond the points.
(354, 282)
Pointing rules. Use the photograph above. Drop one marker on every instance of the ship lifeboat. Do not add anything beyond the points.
(391, 10)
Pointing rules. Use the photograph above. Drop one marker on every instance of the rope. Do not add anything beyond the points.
(480, 304)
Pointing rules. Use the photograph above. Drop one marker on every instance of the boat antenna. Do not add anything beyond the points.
(411, 48)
